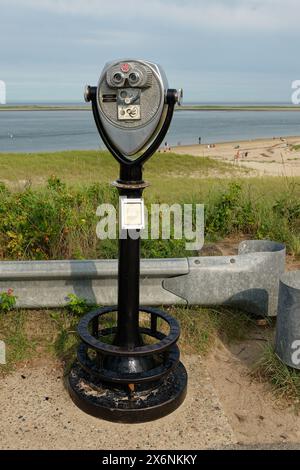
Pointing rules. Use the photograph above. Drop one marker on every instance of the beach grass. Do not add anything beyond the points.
(181, 172)
(87, 165)
(51, 333)
(284, 380)
(172, 177)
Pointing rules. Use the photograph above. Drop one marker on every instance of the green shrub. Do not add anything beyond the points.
(59, 222)
(7, 301)
(77, 305)
(230, 212)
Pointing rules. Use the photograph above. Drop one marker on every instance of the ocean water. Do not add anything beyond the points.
(38, 131)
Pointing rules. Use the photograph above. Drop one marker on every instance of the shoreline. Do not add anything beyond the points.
(291, 138)
(275, 156)
(196, 149)
(254, 108)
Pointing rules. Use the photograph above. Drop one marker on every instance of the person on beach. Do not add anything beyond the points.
(236, 157)
(200, 138)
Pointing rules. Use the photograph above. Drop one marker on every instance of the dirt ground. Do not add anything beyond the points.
(225, 408)
(266, 157)
(37, 413)
(254, 414)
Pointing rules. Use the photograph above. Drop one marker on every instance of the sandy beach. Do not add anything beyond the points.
(269, 157)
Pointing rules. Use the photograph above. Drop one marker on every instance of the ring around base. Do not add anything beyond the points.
(113, 404)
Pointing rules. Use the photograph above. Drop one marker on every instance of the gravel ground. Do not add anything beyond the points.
(37, 413)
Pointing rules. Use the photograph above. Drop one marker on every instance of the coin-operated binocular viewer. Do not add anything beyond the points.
(130, 372)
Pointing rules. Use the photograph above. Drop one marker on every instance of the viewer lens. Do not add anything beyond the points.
(133, 77)
(118, 77)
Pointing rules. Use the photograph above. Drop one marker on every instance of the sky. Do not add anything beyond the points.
(216, 50)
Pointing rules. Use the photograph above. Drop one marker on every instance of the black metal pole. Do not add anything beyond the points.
(128, 293)
(129, 267)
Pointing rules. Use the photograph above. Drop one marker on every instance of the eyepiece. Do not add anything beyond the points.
(117, 78)
(133, 78)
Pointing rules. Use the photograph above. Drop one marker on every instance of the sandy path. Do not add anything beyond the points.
(270, 157)
(253, 412)
(224, 407)
(37, 413)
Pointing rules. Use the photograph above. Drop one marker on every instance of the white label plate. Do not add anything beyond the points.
(132, 213)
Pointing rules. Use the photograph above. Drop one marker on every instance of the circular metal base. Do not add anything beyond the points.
(115, 403)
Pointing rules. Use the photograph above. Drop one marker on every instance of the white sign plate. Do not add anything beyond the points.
(132, 213)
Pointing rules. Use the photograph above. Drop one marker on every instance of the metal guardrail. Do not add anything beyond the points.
(249, 280)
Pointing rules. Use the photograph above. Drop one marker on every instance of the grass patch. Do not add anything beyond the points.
(65, 341)
(90, 166)
(200, 327)
(52, 334)
(19, 346)
(285, 380)
(37, 335)
(72, 166)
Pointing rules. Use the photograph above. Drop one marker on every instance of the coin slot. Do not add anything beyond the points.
(109, 98)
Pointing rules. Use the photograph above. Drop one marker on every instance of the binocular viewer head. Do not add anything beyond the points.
(132, 99)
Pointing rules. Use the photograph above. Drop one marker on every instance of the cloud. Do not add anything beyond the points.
(213, 15)
(207, 46)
